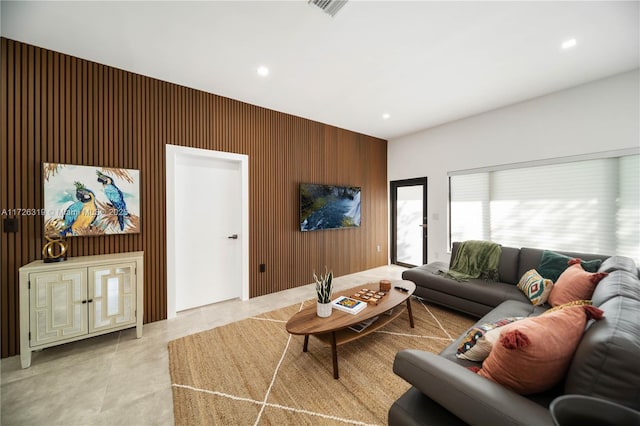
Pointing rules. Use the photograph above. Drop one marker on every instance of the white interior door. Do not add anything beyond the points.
(207, 227)
(207, 201)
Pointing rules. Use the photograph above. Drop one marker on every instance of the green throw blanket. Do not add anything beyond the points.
(475, 259)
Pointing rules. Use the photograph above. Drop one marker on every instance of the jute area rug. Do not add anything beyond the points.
(252, 372)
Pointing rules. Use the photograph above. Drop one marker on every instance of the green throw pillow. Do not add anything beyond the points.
(553, 264)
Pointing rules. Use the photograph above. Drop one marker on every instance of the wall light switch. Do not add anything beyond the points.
(435, 216)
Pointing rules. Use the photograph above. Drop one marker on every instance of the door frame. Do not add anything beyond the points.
(174, 152)
(393, 195)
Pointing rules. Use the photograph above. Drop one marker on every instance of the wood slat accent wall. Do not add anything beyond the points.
(57, 108)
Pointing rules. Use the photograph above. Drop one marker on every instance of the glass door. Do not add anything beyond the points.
(409, 222)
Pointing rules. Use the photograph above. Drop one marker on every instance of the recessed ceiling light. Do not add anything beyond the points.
(568, 44)
(386, 116)
(263, 71)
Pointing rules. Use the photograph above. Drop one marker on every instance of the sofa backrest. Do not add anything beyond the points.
(606, 363)
(530, 258)
(508, 267)
(514, 262)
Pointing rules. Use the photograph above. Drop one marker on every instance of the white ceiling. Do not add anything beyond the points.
(423, 62)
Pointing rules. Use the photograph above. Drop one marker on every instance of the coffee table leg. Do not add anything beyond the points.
(334, 354)
(410, 312)
(306, 343)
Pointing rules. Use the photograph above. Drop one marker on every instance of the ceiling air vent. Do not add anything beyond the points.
(330, 7)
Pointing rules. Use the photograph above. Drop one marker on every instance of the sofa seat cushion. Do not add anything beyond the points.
(490, 293)
(468, 396)
(414, 408)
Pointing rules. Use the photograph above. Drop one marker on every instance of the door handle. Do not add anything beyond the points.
(423, 226)
(233, 237)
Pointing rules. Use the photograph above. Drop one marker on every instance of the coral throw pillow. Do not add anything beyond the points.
(574, 284)
(533, 355)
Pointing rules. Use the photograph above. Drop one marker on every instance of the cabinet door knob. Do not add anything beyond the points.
(84, 301)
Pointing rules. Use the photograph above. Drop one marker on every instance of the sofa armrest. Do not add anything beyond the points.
(470, 397)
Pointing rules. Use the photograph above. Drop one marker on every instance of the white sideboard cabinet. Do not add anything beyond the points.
(79, 298)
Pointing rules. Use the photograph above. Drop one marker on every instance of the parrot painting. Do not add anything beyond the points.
(115, 197)
(81, 214)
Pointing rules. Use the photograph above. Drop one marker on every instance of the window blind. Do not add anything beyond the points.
(470, 212)
(628, 214)
(589, 206)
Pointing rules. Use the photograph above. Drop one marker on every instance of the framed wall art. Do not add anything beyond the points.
(90, 200)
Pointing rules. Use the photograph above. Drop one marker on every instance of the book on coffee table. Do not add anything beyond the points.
(347, 304)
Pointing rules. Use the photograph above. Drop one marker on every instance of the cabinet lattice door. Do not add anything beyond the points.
(113, 296)
(58, 301)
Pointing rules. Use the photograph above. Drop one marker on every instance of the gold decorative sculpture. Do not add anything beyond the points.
(55, 250)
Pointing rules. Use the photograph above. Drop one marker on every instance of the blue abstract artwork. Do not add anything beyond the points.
(329, 207)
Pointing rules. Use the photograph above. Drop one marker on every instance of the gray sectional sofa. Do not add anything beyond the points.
(478, 297)
(605, 365)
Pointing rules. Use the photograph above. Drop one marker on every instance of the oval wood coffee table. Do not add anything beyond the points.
(334, 330)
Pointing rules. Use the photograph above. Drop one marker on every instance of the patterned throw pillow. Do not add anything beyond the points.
(574, 284)
(535, 287)
(476, 344)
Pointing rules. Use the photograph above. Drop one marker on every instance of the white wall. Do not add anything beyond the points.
(600, 116)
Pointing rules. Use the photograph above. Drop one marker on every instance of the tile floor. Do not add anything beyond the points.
(117, 379)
